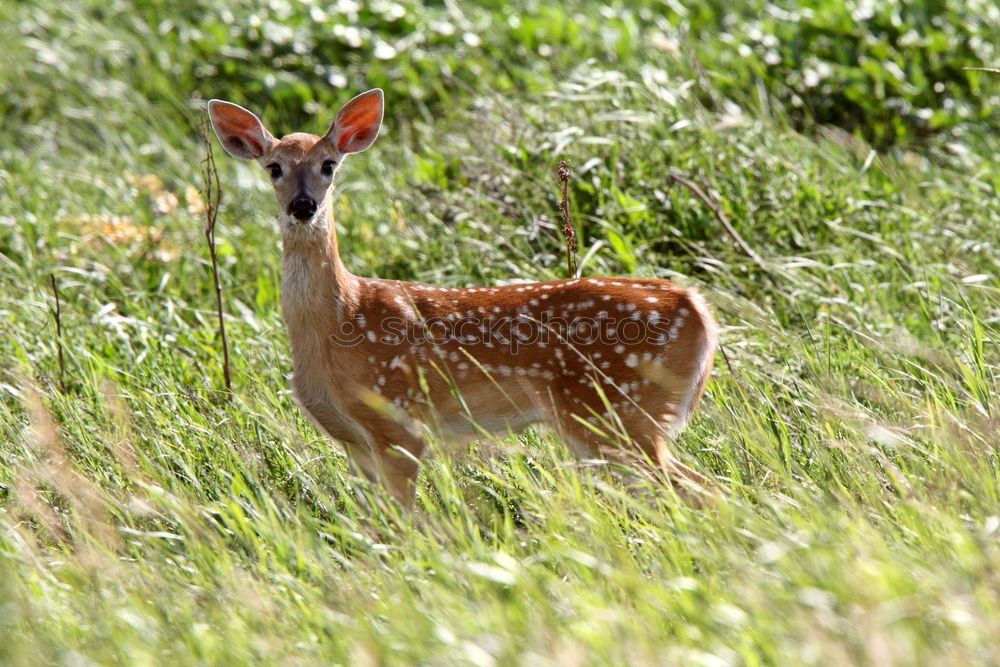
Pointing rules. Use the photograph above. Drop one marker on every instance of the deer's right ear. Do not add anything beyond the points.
(241, 133)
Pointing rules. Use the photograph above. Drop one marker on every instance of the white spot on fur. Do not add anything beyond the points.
(675, 328)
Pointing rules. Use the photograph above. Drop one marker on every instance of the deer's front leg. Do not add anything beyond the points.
(394, 448)
(339, 426)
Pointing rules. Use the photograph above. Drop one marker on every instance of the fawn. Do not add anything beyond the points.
(614, 365)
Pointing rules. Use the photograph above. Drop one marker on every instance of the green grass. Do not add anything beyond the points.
(851, 424)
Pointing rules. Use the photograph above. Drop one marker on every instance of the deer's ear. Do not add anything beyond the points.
(241, 133)
(357, 123)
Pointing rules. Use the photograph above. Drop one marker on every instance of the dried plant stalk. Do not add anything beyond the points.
(59, 346)
(567, 229)
(212, 196)
(717, 212)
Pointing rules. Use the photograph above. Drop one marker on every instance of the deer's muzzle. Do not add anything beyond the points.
(303, 208)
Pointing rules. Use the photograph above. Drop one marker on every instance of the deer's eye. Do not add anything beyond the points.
(327, 168)
(274, 169)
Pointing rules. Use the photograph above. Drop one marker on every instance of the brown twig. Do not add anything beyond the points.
(59, 345)
(567, 229)
(212, 194)
(747, 250)
(991, 70)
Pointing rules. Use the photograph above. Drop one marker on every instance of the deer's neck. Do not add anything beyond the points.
(317, 291)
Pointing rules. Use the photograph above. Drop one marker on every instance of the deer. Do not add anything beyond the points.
(615, 366)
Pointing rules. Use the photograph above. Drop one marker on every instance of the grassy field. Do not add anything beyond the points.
(146, 517)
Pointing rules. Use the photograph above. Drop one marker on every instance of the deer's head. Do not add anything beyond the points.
(301, 165)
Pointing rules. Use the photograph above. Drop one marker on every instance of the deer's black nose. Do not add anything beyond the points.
(302, 208)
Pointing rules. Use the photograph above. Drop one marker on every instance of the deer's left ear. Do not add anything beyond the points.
(357, 123)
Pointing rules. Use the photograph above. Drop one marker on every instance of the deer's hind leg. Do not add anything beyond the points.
(593, 434)
(633, 440)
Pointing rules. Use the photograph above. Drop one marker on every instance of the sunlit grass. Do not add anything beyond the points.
(850, 425)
